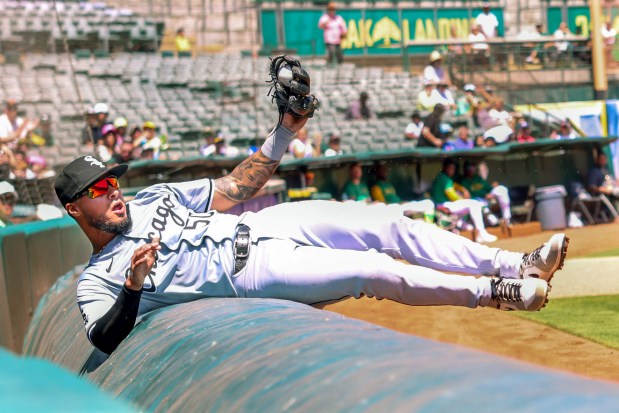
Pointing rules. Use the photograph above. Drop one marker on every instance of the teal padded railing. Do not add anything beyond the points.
(32, 256)
(31, 385)
(265, 355)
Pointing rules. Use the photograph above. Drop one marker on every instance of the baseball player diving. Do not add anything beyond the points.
(173, 243)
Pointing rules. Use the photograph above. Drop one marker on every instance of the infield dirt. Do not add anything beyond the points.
(501, 332)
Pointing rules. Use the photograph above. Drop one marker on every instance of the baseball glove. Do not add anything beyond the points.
(290, 88)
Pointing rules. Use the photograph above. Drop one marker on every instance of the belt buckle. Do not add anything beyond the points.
(241, 242)
(241, 246)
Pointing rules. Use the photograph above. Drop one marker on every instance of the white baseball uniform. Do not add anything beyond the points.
(336, 250)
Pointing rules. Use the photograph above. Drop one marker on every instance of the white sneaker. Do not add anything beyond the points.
(545, 260)
(529, 294)
(484, 237)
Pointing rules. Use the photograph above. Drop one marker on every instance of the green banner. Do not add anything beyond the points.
(373, 32)
(578, 19)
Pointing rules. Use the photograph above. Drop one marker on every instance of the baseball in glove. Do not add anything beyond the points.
(290, 88)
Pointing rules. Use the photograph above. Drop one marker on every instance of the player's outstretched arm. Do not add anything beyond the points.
(251, 174)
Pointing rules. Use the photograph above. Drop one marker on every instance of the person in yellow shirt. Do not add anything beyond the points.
(182, 43)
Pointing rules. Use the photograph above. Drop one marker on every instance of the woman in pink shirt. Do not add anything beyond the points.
(335, 30)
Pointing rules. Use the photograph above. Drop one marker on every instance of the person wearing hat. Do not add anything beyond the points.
(434, 73)
(487, 193)
(487, 22)
(523, 133)
(467, 104)
(148, 141)
(444, 194)
(91, 133)
(12, 126)
(175, 243)
(334, 30)
(121, 124)
(101, 111)
(334, 148)
(8, 198)
(106, 147)
(414, 128)
(424, 97)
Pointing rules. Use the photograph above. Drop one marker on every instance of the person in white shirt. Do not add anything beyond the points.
(443, 95)
(608, 36)
(334, 146)
(561, 33)
(413, 129)
(434, 72)
(301, 146)
(12, 127)
(479, 39)
(488, 22)
(498, 113)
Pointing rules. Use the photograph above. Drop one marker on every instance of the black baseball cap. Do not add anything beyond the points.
(80, 174)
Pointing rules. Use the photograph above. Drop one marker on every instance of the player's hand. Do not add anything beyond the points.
(293, 123)
(142, 262)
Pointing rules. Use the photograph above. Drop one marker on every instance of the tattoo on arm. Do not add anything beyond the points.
(247, 178)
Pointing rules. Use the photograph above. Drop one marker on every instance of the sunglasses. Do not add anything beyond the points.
(100, 188)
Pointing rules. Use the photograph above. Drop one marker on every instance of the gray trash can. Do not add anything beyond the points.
(550, 207)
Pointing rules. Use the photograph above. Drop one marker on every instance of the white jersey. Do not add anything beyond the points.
(196, 259)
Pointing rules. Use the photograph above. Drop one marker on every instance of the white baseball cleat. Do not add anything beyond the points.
(529, 294)
(546, 260)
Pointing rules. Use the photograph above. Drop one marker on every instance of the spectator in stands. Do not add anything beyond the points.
(467, 104)
(498, 114)
(360, 109)
(487, 22)
(147, 141)
(355, 189)
(563, 46)
(537, 48)
(454, 49)
(480, 50)
(601, 181)
(609, 34)
(183, 45)
(334, 30)
(20, 169)
(6, 163)
(120, 124)
(425, 98)
(443, 96)
(413, 129)
(565, 131)
(92, 131)
(303, 147)
(8, 199)
(41, 133)
(432, 134)
(125, 153)
(444, 194)
(334, 148)
(434, 72)
(464, 141)
(523, 133)
(135, 133)
(487, 193)
(101, 111)
(12, 126)
(106, 147)
(38, 165)
(383, 191)
(489, 141)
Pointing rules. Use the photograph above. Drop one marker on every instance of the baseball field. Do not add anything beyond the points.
(578, 331)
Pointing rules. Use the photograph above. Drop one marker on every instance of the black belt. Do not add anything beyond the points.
(242, 242)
